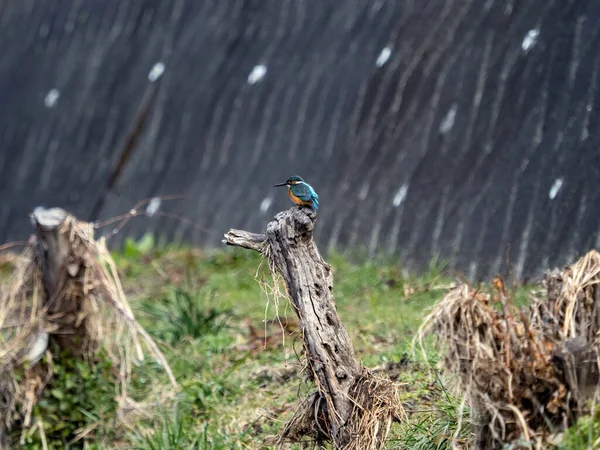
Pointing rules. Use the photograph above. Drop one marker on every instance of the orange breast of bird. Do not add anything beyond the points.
(297, 200)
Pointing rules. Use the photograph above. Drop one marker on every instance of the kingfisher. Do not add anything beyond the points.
(301, 192)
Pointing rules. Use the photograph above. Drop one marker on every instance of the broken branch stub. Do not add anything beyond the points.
(339, 411)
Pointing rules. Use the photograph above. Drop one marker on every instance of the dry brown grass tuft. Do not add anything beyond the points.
(87, 311)
(525, 374)
(376, 406)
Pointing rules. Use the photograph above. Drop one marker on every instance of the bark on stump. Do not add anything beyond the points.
(60, 269)
(66, 290)
(351, 408)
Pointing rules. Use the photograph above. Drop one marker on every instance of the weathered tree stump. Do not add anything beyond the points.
(60, 270)
(65, 290)
(351, 408)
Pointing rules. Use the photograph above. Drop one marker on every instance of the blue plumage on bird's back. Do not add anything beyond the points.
(314, 196)
(305, 194)
(301, 192)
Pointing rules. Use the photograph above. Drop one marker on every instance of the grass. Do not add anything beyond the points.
(239, 373)
(178, 314)
(240, 376)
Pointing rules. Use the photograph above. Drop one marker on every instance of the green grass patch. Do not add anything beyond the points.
(179, 313)
(241, 377)
(77, 404)
(238, 392)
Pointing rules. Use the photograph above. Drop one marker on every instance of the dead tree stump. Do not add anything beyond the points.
(351, 408)
(60, 269)
(65, 290)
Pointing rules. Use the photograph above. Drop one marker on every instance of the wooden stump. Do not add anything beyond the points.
(346, 392)
(66, 291)
(60, 271)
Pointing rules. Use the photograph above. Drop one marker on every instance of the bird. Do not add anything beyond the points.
(301, 192)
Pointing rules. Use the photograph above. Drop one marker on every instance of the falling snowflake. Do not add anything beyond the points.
(448, 121)
(156, 72)
(266, 204)
(51, 98)
(383, 57)
(258, 73)
(153, 206)
(555, 188)
(364, 190)
(530, 40)
(400, 195)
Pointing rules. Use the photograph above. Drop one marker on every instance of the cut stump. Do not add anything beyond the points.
(65, 291)
(351, 408)
(65, 309)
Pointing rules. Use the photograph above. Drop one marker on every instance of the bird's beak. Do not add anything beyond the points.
(280, 184)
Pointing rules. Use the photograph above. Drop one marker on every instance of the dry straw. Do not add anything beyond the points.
(87, 312)
(526, 374)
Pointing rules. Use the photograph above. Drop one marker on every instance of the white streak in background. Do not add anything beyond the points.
(266, 204)
(439, 223)
(585, 132)
(555, 188)
(364, 190)
(400, 195)
(472, 270)
(258, 73)
(530, 40)
(524, 165)
(447, 122)
(153, 206)
(51, 98)
(156, 72)
(383, 57)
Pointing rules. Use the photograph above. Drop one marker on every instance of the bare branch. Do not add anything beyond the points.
(245, 239)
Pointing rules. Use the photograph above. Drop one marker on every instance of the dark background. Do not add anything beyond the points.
(450, 148)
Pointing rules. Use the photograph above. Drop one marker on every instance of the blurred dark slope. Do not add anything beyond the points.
(477, 137)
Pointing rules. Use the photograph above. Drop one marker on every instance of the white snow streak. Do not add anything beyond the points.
(383, 57)
(400, 195)
(156, 72)
(448, 121)
(555, 188)
(153, 206)
(258, 73)
(530, 40)
(266, 204)
(51, 98)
